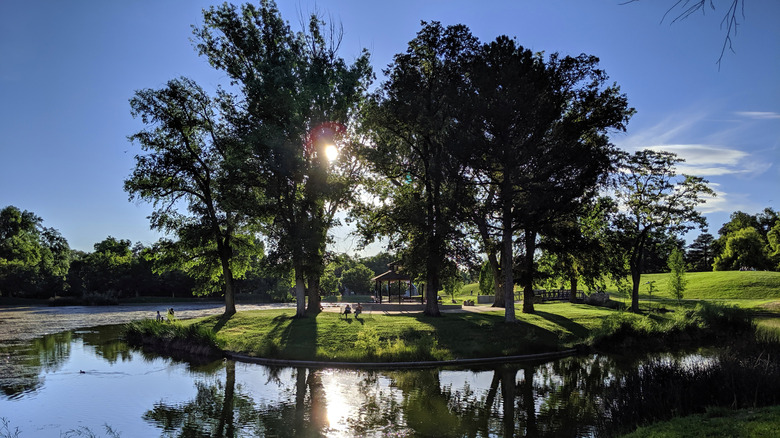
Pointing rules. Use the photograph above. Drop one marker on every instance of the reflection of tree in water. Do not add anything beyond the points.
(106, 342)
(218, 410)
(22, 365)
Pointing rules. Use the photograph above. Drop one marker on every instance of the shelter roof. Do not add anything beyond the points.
(391, 276)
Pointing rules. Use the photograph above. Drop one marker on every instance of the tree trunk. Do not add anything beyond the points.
(300, 293)
(528, 290)
(636, 278)
(506, 265)
(495, 267)
(573, 297)
(431, 294)
(227, 274)
(313, 291)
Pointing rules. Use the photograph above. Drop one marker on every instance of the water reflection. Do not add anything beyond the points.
(145, 395)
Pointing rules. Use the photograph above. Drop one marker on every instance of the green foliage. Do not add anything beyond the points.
(33, 259)
(716, 423)
(357, 279)
(655, 200)
(185, 166)
(744, 249)
(452, 285)
(677, 281)
(486, 282)
(773, 237)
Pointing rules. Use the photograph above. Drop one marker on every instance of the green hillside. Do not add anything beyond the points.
(721, 285)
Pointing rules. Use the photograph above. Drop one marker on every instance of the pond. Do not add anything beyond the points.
(87, 381)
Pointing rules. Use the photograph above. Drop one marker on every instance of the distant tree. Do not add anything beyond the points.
(744, 249)
(184, 169)
(452, 285)
(379, 262)
(737, 221)
(700, 254)
(677, 281)
(774, 245)
(329, 283)
(357, 279)
(486, 281)
(654, 198)
(34, 260)
(107, 270)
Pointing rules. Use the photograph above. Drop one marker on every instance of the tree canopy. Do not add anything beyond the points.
(654, 198)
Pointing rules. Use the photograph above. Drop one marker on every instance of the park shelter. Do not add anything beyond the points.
(397, 283)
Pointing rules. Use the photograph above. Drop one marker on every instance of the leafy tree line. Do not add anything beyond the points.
(37, 262)
(744, 242)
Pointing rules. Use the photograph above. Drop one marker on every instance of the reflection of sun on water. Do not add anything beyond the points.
(340, 400)
(331, 152)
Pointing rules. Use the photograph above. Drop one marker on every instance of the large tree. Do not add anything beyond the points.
(183, 173)
(653, 198)
(540, 145)
(294, 98)
(414, 128)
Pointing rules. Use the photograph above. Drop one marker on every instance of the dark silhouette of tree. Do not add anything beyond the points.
(540, 147)
(413, 125)
(295, 97)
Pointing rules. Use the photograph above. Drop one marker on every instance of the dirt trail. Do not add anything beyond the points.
(22, 323)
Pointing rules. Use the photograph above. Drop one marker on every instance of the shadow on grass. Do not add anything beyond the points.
(576, 329)
(489, 335)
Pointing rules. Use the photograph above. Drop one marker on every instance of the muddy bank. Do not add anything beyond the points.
(22, 323)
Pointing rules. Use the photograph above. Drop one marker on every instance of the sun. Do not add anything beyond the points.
(331, 152)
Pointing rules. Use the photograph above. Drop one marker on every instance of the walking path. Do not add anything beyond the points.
(23, 323)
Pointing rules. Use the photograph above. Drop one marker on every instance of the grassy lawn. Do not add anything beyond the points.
(747, 423)
(380, 337)
(389, 337)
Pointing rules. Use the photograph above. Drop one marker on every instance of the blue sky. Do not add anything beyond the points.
(68, 69)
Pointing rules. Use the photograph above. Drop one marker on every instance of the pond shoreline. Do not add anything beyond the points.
(401, 365)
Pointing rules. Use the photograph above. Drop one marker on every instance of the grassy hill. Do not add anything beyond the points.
(756, 286)
(728, 285)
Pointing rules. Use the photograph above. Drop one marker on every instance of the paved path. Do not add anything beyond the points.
(21, 323)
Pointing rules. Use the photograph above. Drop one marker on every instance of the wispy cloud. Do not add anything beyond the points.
(760, 115)
(705, 160)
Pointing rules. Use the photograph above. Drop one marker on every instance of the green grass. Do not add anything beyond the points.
(718, 422)
(721, 285)
(380, 338)
(328, 336)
